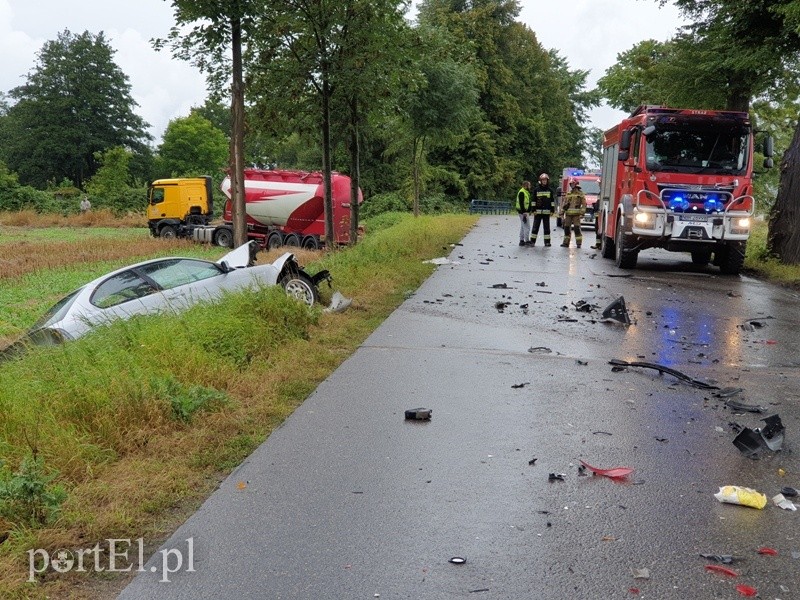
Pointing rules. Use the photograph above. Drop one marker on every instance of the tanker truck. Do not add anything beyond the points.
(284, 208)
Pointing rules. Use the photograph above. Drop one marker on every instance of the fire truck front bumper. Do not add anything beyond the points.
(691, 227)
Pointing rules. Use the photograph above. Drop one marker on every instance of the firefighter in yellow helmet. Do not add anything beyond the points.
(573, 207)
(543, 205)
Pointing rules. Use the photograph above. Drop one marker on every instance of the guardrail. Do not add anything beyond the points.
(489, 207)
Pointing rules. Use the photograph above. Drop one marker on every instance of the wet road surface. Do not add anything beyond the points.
(349, 500)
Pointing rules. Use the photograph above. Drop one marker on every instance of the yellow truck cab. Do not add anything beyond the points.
(175, 205)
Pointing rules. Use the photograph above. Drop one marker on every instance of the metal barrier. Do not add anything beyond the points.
(489, 207)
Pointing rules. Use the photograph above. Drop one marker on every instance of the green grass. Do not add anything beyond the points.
(15, 235)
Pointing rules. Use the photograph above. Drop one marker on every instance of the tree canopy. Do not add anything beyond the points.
(76, 102)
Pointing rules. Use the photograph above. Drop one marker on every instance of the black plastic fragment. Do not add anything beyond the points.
(725, 559)
(555, 477)
(616, 311)
(742, 407)
(789, 492)
(615, 362)
(418, 414)
(728, 392)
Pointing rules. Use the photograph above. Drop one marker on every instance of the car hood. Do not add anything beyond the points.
(238, 258)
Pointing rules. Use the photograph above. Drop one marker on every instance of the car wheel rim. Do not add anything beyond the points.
(300, 290)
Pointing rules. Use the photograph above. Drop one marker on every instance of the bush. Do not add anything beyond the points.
(28, 497)
(386, 202)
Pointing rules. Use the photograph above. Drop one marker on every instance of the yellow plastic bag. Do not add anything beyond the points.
(734, 494)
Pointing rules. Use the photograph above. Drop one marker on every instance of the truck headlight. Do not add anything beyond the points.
(645, 220)
(741, 226)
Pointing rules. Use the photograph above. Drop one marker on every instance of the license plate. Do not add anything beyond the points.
(694, 218)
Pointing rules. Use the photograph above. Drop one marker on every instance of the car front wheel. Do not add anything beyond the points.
(299, 286)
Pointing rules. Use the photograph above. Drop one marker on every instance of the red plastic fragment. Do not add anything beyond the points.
(634, 591)
(768, 551)
(616, 473)
(746, 590)
(723, 570)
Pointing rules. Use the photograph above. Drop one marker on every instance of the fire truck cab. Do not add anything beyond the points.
(678, 179)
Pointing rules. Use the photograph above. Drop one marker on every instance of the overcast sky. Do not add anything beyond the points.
(588, 33)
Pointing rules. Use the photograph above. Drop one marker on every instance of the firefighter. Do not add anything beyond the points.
(543, 207)
(573, 207)
(523, 206)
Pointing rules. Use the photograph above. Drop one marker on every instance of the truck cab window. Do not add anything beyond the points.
(156, 195)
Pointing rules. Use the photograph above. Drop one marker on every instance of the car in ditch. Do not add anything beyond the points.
(162, 285)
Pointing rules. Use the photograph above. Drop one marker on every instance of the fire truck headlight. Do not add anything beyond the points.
(642, 218)
(741, 226)
(645, 220)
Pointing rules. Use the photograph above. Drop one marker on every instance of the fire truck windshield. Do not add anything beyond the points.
(687, 147)
(590, 186)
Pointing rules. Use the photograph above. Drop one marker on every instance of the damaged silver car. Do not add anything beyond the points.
(166, 284)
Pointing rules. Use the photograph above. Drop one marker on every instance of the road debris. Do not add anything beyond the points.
(457, 560)
(768, 551)
(501, 306)
(746, 590)
(556, 477)
(532, 461)
(517, 386)
(722, 570)
(781, 501)
(743, 496)
(641, 573)
(751, 442)
(418, 414)
(727, 392)
(737, 406)
(500, 286)
(441, 261)
(725, 559)
(540, 350)
(616, 311)
(584, 306)
(789, 492)
(615, 473)
(664, 369)
(338, 303)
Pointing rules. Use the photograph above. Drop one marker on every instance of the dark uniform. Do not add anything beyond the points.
(523, 206)
(573, 207)
(543, 206)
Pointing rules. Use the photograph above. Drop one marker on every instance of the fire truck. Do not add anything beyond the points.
(679, 179)
(590, 184)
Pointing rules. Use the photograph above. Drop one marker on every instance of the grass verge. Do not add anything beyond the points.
(138, 422)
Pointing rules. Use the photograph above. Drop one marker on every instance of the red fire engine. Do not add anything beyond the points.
(681, 180)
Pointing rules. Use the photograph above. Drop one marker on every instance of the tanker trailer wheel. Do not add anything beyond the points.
(625, 257)
(224, 238)
(168, 232)
(300, 287)
(311, 242)
(292, 240)
(274, 240)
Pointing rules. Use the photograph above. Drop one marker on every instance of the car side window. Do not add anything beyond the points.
(120, 288)
(172, 273)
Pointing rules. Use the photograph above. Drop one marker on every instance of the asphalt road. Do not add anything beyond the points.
(350, 500)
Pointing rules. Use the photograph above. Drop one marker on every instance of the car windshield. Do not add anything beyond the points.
(590, 186)
(171, 273)
(57, 312)
(687, 147)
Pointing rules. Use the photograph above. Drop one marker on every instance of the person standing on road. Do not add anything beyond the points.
(543, 206)
(523, 206)
(573, 207)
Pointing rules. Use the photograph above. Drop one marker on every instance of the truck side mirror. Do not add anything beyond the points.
(648, 131)
(623, 155)
(769, 149)
(625, 141)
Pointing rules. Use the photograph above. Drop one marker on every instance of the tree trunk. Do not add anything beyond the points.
(326, 154)
(738, 97)
(355, 170)
(783, 239)
(239, 214)
(416, 149)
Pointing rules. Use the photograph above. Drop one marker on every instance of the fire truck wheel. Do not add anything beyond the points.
(625, 257)
(168, 232)
(300, 287)
(224, 238)
(275, 240)
(701, 257)
(731, 259)
(292, 240)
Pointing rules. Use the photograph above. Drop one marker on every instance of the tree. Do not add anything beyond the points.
(216, 27)
(192, 146)
(76, 102)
